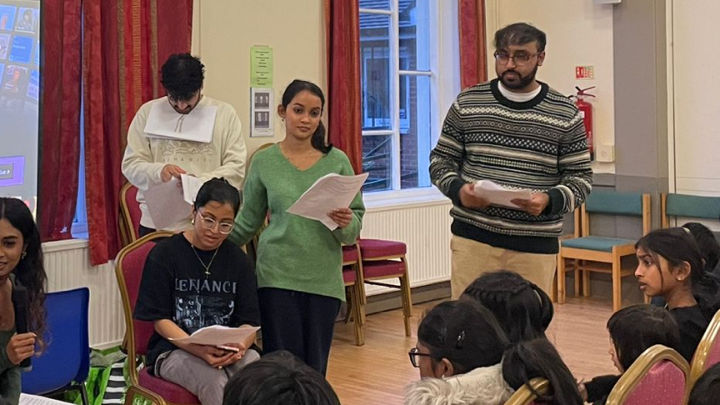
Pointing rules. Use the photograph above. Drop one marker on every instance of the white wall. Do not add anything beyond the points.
(224, 31)
(694, 88)
(579, 33)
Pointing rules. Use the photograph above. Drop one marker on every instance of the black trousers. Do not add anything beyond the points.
(298, 322)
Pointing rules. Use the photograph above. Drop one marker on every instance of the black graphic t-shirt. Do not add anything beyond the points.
(174, 286)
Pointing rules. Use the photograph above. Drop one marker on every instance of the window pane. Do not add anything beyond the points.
(375, 4)
(375, 70)
(415, 44)
(377, 160)
(415, 128)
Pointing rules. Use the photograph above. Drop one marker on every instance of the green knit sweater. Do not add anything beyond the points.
(294, 253)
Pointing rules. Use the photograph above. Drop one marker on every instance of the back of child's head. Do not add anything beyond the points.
(465, 333)
(535, 358)
(279, 378)
(706, 390)
(706, 242)
(522, 308)
(638, 327)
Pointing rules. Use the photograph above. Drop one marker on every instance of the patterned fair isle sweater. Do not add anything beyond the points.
(539, 145)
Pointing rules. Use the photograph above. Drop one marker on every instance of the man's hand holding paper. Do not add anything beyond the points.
(496, 194)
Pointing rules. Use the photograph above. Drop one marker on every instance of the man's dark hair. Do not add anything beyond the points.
(519, 34)
(182, 76)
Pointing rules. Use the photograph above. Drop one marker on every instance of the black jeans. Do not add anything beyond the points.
(299, 322)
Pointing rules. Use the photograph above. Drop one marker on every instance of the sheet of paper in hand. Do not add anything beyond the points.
(329, 192)
(166, 204)
(219, 336)
(164, 122)
(496, 194)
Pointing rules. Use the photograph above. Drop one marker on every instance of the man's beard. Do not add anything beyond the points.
(523, 81)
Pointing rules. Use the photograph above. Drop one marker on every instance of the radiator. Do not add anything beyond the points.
(67, 264)
(425, 229)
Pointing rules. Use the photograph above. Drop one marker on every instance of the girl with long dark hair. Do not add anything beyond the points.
(299, 260)
(21, 266)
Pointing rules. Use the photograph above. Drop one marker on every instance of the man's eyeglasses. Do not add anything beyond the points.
(414, 353)
(210, 223)
(519, 58)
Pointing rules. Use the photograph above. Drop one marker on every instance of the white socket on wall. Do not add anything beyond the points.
(605, 153)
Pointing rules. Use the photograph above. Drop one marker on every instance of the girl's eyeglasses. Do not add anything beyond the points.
(414, 353)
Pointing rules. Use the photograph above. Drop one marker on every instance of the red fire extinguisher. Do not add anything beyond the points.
(586, 113)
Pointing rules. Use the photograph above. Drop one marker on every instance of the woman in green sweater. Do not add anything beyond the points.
(299, 260)
(21, 267)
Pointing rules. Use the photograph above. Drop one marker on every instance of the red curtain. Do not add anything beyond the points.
(473, 47)
(125, 43)
(60, 118)
(342, 36)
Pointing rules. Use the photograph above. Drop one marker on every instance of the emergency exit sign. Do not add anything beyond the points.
(585, 72)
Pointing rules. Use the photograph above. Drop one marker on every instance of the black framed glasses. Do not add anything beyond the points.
(210, 223)
(519, 58)
(414, 353)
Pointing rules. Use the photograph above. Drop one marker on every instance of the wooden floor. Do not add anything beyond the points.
(377, 372)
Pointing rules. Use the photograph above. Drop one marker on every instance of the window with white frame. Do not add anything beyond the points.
(399, 91)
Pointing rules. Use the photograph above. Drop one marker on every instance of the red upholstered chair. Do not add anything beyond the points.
(527, 396)
(658, 376)
(130, 214)
(354, 289)
(142, 386)
(707, 353)
(385, 259)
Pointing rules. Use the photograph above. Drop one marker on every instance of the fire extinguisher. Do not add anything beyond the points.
(586, 113)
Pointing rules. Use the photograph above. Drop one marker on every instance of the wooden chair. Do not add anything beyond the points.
(688, 206)
(355, 291)
(142, 386)
(385, 259)
(602, 254)
(658, 376)
(526, 395)
(707, 353)
(129, 221)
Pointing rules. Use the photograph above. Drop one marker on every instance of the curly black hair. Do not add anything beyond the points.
(182, 76)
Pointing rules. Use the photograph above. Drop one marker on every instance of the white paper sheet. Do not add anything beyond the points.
(496, 194)
(27, 399)
(164, 122)
(166, 204)
(218, 335)
(329, 192)
(190, 186)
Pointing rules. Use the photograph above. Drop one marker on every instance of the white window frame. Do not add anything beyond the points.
(445, 85)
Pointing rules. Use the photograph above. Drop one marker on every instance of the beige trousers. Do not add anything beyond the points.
(470, 259)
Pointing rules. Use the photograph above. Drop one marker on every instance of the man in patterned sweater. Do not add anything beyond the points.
(520, 134)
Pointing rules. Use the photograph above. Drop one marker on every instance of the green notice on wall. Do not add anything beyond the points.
(261, 66)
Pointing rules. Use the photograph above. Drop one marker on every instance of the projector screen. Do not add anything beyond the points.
(19, 93)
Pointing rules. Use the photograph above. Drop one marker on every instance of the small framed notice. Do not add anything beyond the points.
(261, 113)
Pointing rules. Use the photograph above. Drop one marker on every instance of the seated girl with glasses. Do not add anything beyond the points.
(196, 279)
(464, 357)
